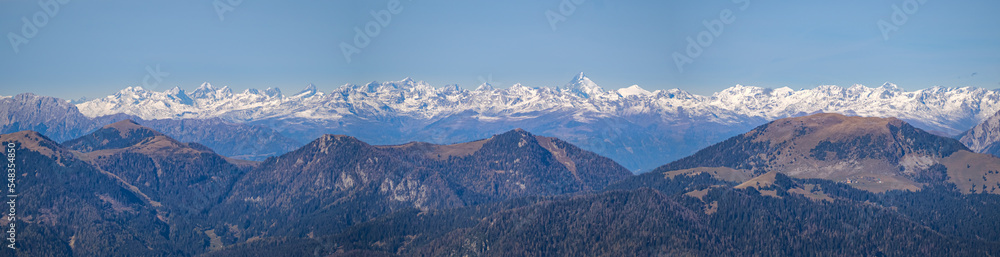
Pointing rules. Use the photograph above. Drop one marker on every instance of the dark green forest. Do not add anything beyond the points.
(648, 215)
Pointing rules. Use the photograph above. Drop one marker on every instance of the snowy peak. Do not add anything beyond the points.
(372, 87)
(675, 93)
(582, 86)
(178, 94)
(634, 90)
(309, 91)
(135, 89)
(449, 89)
(174, 91)
(518, 89)
(408, 83)
(890, 87)
(206, 90)
(485, 87)
(224, 92)
(205, 87)
(741, 90)
(272, 92)
(131, 93)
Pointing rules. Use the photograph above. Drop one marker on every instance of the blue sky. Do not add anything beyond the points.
(95, 48)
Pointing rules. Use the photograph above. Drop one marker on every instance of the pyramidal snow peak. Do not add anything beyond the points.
(582, 86)
(309, 91)
(205, 88)
(485, 87)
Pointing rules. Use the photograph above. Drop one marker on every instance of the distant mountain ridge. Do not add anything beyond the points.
(949, 110)
(638, 128)
(120, 134)
(50, 116)
(62, 121)
(188, 176)
(336, 181)
(875, 154)
(192, 200)
(67, 206)
(985, 137)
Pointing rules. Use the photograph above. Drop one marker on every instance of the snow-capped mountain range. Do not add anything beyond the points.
(580, 111)
(948, 110)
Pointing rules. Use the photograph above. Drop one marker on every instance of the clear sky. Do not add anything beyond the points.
(93, 48)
